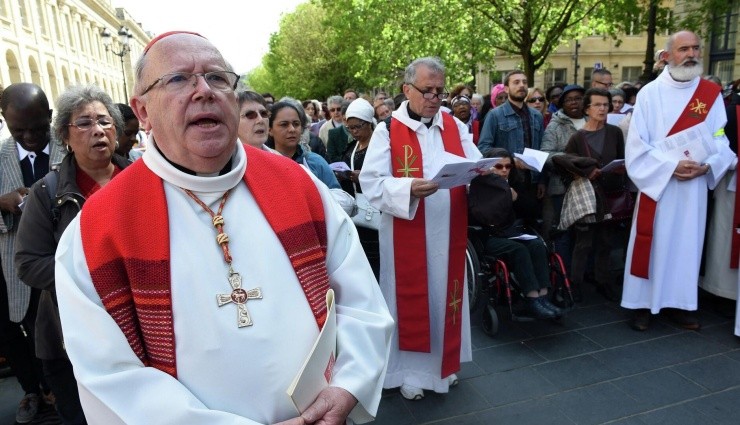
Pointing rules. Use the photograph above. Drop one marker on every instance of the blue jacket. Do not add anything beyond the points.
(318, 166)
(503, 129)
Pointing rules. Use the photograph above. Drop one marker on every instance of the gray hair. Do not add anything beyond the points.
(432, 62)
(76, 98)
(618, 92)
(249, 96)
(334, 100)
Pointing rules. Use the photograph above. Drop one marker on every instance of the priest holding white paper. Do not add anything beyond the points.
(423, 234)
(667, 236)
(205, 311)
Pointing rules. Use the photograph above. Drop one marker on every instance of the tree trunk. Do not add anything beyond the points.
(650, 48)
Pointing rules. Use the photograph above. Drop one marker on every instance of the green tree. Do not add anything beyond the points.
(300, 63)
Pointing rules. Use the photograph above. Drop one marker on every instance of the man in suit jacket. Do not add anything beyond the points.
(25, 157)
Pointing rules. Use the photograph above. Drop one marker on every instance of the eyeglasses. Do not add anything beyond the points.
(85, 124)
(356, 126)
(535, 99)
(335, 109)
(252, 115)
(430, 95)
(599, 105)
(573, 100)
(217, 80)
(500, 166)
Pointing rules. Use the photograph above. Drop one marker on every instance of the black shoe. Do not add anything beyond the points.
(607, 292)
(537, 310)
(683, 318)
(545, 301)
(640, 319)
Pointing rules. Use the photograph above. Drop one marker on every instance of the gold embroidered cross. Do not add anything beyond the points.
(239, 297)
(698, 107)
(455, 303)
(408, 160)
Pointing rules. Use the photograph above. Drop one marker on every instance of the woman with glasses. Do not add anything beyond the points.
(601, 143)
(564, 123)
(493, 202)
(253, 119)
(86, 124)
(360, 124)
(536, 100)
(287, 124)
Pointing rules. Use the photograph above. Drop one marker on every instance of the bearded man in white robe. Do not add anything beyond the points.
(422, 271)
(204, 308)
(665, 247)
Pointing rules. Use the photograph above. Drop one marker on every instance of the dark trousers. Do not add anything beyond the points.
(599, 239)
(527, 259)
(16, 341)
(371, 246)
(58, 374)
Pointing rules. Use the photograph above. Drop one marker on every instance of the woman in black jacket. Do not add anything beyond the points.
(86, 123)
(494, 203)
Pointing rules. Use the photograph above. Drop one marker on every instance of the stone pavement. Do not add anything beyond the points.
(592, 369)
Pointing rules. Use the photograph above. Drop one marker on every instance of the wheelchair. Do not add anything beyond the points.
(489, 279)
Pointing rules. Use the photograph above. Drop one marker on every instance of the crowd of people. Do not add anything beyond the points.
(93, 306)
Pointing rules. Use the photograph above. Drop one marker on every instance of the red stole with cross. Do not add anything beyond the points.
(735, 249)
(130, 266)
(409, 252)
(694, 113)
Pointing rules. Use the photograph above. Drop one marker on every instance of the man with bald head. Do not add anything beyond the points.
(24, 158)
(665, 247)
(206, 311)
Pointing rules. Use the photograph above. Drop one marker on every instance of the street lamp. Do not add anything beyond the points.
(124, 39)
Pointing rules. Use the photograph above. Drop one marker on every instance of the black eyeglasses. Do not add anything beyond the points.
(335, 109)
(500, 166)
(430, 95)
(217, 80)
(535, 99)
(252, 115)
(85, 124)
(356, 126)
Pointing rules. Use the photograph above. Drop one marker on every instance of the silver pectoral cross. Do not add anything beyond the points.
(239, 297)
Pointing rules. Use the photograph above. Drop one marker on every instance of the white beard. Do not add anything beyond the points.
(686, 72)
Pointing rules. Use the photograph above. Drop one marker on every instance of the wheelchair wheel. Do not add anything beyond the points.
(490, 321)
(472, 273)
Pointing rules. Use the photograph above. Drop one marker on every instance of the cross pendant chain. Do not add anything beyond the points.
(239, 296)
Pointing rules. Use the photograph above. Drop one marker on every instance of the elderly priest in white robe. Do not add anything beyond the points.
(192, 292)
(423, 234)
(665, 246)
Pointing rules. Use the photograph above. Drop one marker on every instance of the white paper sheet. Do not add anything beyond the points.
(695, 144)
(459, 171)
(533, 158)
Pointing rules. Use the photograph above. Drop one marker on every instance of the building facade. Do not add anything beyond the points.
(58, 43)
(574, 61)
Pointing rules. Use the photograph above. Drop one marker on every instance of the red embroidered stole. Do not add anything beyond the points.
(735, 250)
(409, 250)
(130, 266)
(694, 113)
(476, 132)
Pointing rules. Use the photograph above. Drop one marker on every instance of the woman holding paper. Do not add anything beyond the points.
(360, 124)
(494, 203)
(604, 143)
